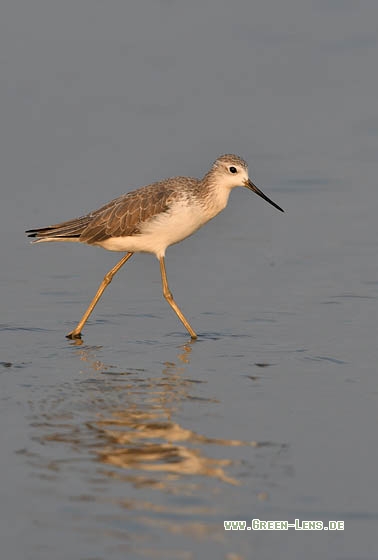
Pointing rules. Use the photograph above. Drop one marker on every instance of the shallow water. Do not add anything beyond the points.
(137, 442)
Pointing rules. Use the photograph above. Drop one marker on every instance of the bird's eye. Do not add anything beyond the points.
(233, 169)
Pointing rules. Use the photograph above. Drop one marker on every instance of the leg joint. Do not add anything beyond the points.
(167, 294)
(108, 277)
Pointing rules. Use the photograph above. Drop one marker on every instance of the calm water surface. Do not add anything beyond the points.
(139, 443)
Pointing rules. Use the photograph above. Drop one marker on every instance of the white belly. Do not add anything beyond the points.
(163, 230)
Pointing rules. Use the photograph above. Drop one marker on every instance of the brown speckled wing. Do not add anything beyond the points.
(123, 216)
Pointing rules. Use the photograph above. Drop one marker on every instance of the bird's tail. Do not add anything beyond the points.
(66, 231)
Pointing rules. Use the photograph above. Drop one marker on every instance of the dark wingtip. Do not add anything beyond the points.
(31, 232)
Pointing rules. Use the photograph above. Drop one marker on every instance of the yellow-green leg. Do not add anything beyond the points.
(169, 297)
(76, 333)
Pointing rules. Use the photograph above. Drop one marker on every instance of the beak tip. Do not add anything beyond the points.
(248, 183)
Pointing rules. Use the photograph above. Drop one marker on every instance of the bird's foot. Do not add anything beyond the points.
(73, 335)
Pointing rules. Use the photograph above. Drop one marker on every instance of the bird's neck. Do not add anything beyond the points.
(216, 195)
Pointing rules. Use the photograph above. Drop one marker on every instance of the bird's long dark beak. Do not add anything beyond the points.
(248, 183)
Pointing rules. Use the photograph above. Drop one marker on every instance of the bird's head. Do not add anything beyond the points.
(232, 171)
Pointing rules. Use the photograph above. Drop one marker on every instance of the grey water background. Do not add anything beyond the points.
(139, 443)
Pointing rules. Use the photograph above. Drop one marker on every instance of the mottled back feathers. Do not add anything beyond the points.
(122, 216)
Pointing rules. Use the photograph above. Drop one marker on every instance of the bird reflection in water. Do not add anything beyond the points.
(121, 436)
(141, 438)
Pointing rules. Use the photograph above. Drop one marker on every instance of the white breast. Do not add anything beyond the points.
(163, 230)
